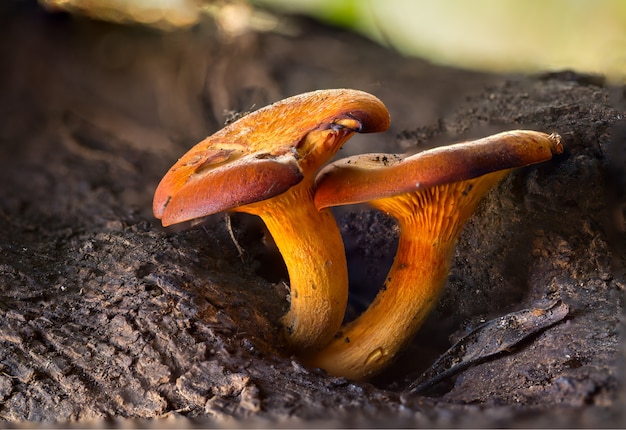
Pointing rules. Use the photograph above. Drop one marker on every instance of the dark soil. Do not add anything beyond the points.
(105, 315)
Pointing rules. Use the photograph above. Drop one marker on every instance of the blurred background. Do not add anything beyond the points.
(496, 35)
(493, 35)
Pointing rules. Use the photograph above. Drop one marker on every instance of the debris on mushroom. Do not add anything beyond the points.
(431, 194)
(265, 164)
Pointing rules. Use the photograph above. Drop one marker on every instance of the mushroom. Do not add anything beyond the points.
(431, 194)
(265, 164)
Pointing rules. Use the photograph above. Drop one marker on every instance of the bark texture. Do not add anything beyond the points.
(105, 315)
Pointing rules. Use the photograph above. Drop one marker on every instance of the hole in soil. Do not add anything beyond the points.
(371, 239)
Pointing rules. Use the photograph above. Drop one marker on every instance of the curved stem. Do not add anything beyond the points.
(311, 245)
(430, 222)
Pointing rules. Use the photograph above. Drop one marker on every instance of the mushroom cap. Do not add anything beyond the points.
(367, 177)
(265, 153)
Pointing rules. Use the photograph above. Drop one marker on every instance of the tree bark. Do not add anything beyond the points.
(105, 315)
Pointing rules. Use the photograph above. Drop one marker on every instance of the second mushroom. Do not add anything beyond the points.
(431, 194)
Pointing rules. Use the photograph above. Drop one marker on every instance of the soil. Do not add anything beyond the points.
(107, 316)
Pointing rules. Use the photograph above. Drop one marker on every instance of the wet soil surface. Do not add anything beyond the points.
(107, 316)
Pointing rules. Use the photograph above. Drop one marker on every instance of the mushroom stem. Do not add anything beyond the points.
(430, 222)
(312, 249)
(431, 194)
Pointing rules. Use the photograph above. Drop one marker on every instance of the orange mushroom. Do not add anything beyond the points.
(431, 194)
(265, 164)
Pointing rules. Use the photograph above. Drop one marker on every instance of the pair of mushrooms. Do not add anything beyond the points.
(268, 164)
